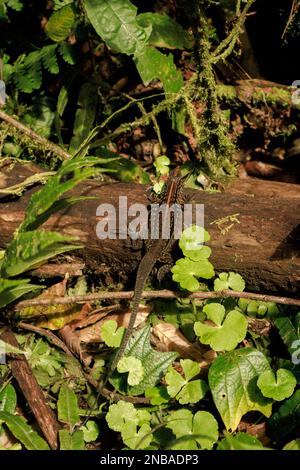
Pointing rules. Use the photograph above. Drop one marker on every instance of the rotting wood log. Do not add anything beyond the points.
(254, 227)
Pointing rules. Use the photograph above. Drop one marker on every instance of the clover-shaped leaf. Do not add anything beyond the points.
(111, 334)
(229, 280)
(186, 271)
(191, 243)
(179, 387)
(134, 367)
(120, 413)
(279, 387)
(158, 395)
(224, 336)
(201, 429)
(90, 431)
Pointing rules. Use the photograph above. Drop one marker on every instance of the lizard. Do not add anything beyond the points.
(158, 249)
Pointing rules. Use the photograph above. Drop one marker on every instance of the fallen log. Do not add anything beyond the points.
(254, 227)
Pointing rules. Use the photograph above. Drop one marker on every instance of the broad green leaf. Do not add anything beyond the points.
(186, 271)
(202, 429)
(241, 441)
(184, 390)
(233, 382)
(225, 336)
(11, 290)
(23, 432)
(293, 445)
(214, 312)
(229, 280)
(192, 392)
(153, 362)
(166, 32)
(90, 431)
(67, 406)
(153, 64)
(191, 243)
(136, 438)
(85, 114)
(134, 367)
(61, 23)
(174, 381)
(8, 399)
(31, 249)
(71, 441)
(278, 388)
(111, 334)
(115, 22)
(120, 413)
(286, 419)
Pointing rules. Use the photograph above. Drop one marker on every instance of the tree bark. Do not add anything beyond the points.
(254, 227)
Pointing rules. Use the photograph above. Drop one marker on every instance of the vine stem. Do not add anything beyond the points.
(162, 294)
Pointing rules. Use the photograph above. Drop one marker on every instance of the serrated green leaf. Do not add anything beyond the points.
(8, 348)
(67, 52)
(134, 367)
(232, 379)
(278, 388)
(61, 23)
(71, 441)
(166, 32)
(67, 406)
(154, 363)
(241, 441)
(115, 22)
(23, 432)
(8, 398)
(111, 334)
(223, 337)
(152, 64)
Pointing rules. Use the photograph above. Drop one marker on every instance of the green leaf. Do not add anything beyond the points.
(23, 432)
(120, 413)
(111, 334)
(166, 32)
(293, 445)
(31, 249)
(191, 243)
(71, 441)
(202, 429)
(11, 290)
(186, 271)
(67, 53)
(185, 391)
(90, 431)
(233, 382)
(225, 336)
(241, 441)
(115, 22)
(154, 363)
(85, 115)
(134, 367)
(136, 438)
(61, 23)
(279, 388)
(158, 395)
(287, 332)
(286, 419)
(67, 406)
(152, 64)
(8, 398)
(229, 280)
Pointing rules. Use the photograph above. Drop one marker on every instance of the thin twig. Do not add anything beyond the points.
(161, 294)
(34, 136)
